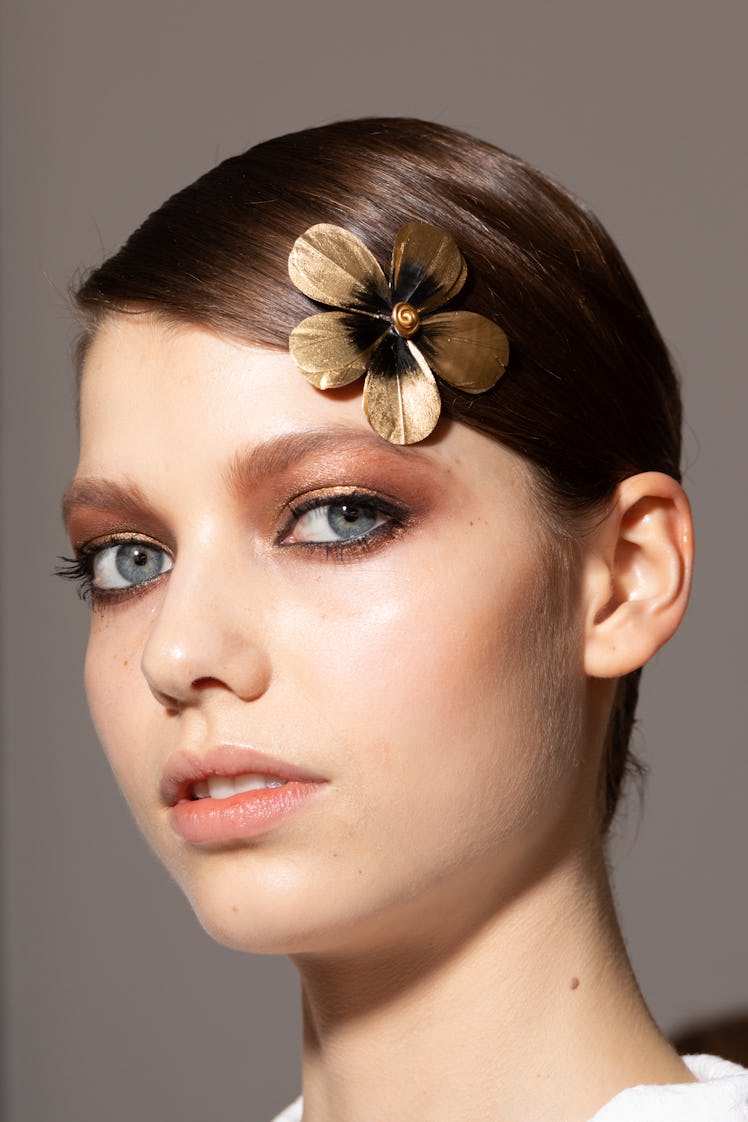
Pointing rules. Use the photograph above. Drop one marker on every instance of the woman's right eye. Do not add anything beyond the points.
(127, 564)
(105, 569)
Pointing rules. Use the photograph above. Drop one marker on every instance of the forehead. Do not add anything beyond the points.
(155, 394)
(140, 370)
(141, 367)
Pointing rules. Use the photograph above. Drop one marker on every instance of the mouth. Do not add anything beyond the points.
(233, 793)
(224, 786)
(225, 771)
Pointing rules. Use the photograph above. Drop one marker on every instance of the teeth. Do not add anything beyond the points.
(224, 786)
(221, 787)
(248, 783)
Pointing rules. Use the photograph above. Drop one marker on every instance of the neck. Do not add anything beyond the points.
(515, 1019)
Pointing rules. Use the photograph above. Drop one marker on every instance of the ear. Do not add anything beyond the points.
(637, 574)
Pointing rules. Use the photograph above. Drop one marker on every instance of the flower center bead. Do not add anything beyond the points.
(405, 319)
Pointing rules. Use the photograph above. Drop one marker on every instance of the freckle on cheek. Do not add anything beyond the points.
(574, 984)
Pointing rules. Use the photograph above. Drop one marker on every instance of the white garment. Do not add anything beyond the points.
(292, 1113)
(721, 1095)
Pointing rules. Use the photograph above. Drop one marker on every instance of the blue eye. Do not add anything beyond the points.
(351, 519)
(127, 564)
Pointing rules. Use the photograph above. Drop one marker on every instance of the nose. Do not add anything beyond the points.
(205, 634)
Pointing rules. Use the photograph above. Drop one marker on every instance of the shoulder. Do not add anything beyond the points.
(719, 1095)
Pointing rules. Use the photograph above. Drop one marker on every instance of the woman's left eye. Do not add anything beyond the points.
(349, 519)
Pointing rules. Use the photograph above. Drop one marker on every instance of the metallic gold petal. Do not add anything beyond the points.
(465, 349)
(427, 266)
(331, 349)
(403, 406)
(332, 266)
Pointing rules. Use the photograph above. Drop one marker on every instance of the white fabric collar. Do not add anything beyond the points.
(721, 1095)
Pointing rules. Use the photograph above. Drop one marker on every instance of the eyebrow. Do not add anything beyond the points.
(104, 494)
(272, 457)
(279, 453)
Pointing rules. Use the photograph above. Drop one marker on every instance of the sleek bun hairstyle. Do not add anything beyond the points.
(590, 396)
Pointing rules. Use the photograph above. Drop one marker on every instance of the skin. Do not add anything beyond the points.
(447, 886)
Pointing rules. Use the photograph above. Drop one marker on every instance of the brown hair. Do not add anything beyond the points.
(590, 395)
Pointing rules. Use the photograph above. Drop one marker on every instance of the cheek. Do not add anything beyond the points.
(119, 698)
(444, 695)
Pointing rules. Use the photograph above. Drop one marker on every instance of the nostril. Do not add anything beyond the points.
(207, 683)
(194, 648)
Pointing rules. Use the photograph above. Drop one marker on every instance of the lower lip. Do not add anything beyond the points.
(245, 815)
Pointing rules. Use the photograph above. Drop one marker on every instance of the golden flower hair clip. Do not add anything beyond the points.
(387, 331)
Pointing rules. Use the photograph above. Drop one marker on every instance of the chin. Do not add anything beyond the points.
(243, 930)
(261, 908)
(243, 912)
(287, 930)
(285, 908)
(278, 909)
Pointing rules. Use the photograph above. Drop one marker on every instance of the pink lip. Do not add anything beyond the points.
(184, 769)
(244, 815)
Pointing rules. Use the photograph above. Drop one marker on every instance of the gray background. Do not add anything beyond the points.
(118, 1006)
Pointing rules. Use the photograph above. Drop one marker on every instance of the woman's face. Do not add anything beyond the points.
(368, 636)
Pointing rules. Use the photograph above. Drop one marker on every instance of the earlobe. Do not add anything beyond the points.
(637, 575)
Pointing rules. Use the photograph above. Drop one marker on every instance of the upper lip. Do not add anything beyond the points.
(184, 769)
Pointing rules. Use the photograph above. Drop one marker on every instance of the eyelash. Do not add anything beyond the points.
(80, 569)
(397, 517)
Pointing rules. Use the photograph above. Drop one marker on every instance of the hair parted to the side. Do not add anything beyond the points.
(590, 396)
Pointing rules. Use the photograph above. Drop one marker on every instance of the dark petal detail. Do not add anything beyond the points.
(333, 266)
(401, 398)
(390, 357)
(465, 349)
(332, 348)
(427, 267)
